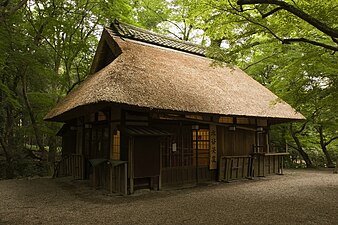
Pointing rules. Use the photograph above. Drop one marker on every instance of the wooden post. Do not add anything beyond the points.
(131, 183)
(282, 165)
(159, 185)
(220, 169)
(237, 168)
(280, 160)
(227, 169)
(125, 179)
(231, 167)
(110, 150)
(196, 156)
(250, 165)
(267, 140)
(94, 177)
(243, 165)
(111, 178)
(118, 180)
(263, 156)
(131, 166)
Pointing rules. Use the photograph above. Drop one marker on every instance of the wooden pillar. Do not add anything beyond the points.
(78, 169)
(125, 179)
(267, 140)
(220, 167)
(79, 137)
(159, 187)
(131, 164)
(111, 143)
(197, 170)
(263, 157)
(111, 133)
(94, 178)
(111, 178)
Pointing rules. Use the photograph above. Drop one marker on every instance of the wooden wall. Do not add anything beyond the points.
(232, 143)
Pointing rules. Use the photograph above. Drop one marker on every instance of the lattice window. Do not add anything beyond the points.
(203, 146)
(116, 146)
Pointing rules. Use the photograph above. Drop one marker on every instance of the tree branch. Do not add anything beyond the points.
(290, 40)
(290, 145)
(11, 10)
(265, 27)
(332, 32)
(300, 130)
(335, 40)
(238, 10)
(261, 60)
(271, 12)
(74, 85)
(329, 141)
(31, 154)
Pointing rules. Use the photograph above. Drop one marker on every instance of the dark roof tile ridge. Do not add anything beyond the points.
(126, 30)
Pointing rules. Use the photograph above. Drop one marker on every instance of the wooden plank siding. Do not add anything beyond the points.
(180, 176)
(234, 143)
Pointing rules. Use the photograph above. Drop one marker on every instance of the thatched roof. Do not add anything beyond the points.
(156, 77)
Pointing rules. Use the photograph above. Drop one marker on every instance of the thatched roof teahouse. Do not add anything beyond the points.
(148, 91)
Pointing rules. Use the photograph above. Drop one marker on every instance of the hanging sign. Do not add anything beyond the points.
(213, 148)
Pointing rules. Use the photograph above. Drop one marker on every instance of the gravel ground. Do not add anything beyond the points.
(298, 197)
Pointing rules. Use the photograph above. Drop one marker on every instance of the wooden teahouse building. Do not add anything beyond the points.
(154, 113)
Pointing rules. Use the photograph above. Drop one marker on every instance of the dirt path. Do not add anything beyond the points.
(298, 197)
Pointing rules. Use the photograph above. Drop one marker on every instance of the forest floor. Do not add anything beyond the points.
(298, 197)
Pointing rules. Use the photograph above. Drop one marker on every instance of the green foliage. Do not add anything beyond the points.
(47, 50)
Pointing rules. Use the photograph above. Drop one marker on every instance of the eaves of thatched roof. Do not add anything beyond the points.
(169, 76)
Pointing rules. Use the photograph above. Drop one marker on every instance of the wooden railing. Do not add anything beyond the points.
(235, 167)
(258, 164)
(70, 165)
(114, 175)
(268, 163)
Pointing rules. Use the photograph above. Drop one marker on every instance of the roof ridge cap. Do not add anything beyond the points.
(126, 30)
(160, 35)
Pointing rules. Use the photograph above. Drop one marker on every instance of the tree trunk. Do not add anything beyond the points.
(301, 151)
(323, 145)
(51, 155)
(52, 149)
(32, 118)
(9, 165)
(7, 142)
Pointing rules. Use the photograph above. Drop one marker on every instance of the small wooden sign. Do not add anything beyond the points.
(213, 148)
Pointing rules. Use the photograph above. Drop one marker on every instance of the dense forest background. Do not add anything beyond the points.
(287, 45)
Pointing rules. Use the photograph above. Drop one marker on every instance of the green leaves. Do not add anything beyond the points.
(47, 48)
